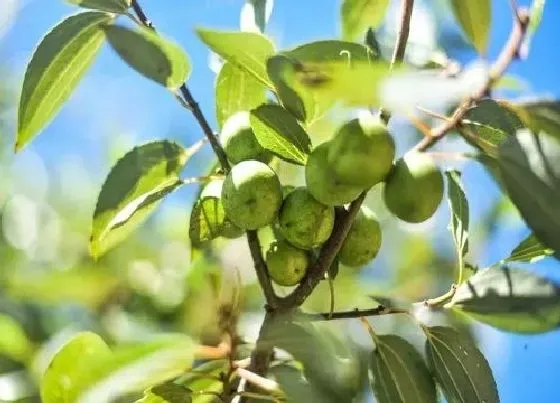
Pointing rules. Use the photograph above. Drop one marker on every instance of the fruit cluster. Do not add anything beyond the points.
(359, 156)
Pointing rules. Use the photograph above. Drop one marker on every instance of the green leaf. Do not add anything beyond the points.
(279, 132)
(14, 342)
(151, 55)
(85, 370)
(488, 124)
(328, 359)
(459, 367)
(535, 17)
(255, 14)
(70, 367)
(168, 392)
(459, 207)
(399, 372)
(236, 90)
(112, 6)
(296, 387)
(530, 250)
(358, 15)
(133, 189)
(531, 174)
(474, 17)
(57, 66)
(207, 220)
(276, 67)
(510, 299)
(248, 51)
(540, 116)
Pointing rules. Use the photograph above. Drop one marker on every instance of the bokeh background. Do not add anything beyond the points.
(50, 286)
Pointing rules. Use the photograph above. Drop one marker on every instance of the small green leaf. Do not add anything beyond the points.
(510, 299)
(236, 90)
(14, 342)
(168, 392)
(529, 250)
(399, 373)
(488, 124)
(475, 17)
(151, 55)
(540, 116)
(133, 189)
(535, 17)
(70, 367)
(207, 220)
(459, 367)
(459, 207)
(531, 174)
(112, 6)
(279, 132)
(255, 14)
(358, 15)
(57, 66)
(247, 50)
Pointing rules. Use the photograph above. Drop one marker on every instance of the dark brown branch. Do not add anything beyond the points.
(510, 52)
(190, 102)
(356, 313)
(261, 269)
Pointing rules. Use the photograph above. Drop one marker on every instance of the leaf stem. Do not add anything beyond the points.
(510, 52)
(437, 301)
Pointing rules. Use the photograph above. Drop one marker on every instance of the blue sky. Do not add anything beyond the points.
(113, 100)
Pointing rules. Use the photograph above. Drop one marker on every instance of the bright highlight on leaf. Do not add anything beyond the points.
(359, 15)
(279, 132)
(399, 372)
(150, 55)
(112, 6)
(459, 207)
(510, 299)
(57, 66)
(133, 189)
(248, 51)
(459, 367)
(475, 17)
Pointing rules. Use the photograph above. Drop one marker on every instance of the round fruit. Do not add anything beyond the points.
(305, 222)
(414, 188)
(363, 241)
(321, 182)
(362, 152)
(239, 141)
(286, 264)
(251, 195)
(214, 189)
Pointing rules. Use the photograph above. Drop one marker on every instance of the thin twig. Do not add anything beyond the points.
(261, 269)
(509, 53)
(356, 313)
(262, 383)
(189, 101)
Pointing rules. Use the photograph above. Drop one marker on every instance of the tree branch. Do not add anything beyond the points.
(356, 313)
(261, 269)
(510, 52)
(190, 102)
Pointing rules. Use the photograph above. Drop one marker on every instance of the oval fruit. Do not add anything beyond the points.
(414, 188)
(286, 264)
(214, 189)
(362, 152)
(305, 222)
(251, 195)
(239, 141)
(363, 241)
(322, 183)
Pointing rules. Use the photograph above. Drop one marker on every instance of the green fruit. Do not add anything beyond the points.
(363, 241)
(239, 141)
(414, 188)
(214, 189)
(251, 195)
(286, 264)
(305, 222)
(362, 152)
(321, 182)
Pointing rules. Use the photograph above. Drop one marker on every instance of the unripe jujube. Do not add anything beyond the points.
(251, 195)
(239, 141)
(414, 188)
(363, 241)
(362, 152)
(286, 264)
(305, 222)
(214, 189)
